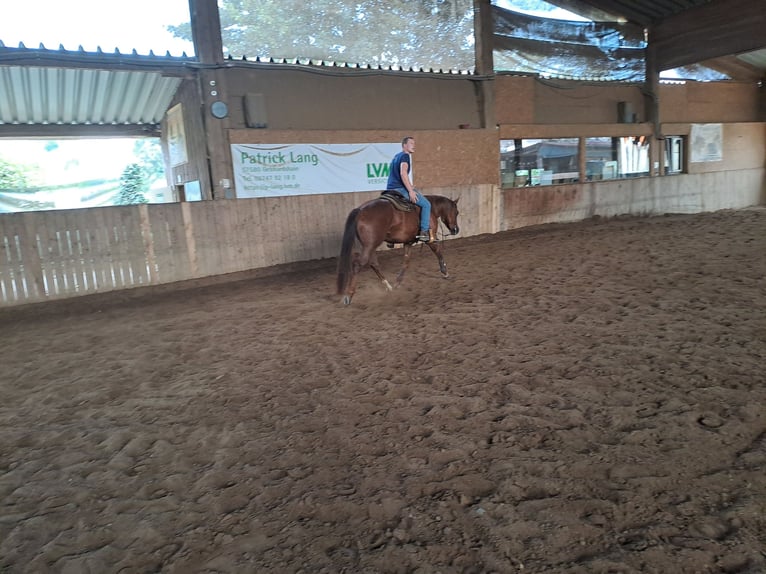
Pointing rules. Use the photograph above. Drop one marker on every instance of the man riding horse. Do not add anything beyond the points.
(399, 181)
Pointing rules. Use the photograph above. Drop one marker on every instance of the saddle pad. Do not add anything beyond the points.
(397, 200)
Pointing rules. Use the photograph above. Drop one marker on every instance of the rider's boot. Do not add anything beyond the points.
(426, 236)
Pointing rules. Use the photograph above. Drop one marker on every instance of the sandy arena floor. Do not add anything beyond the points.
(582, 398)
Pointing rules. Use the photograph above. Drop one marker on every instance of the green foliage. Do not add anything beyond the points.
(405, 33)
(13, 177)
(17, 179)
(149, 153)
(133, 186)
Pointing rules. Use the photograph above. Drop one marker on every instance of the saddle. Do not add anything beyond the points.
(397, 200)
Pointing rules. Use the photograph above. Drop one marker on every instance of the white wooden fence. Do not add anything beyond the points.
(55, 254)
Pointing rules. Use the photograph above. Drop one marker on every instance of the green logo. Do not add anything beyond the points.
(378, 169)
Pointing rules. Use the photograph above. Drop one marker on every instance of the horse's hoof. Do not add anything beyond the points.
(346, 300)
(387, 285)
(445, 275)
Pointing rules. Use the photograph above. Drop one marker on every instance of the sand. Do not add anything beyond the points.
(576, 398)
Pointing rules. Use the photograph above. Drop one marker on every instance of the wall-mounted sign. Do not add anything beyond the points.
(271, 170)
(176, 136)
(706, 143)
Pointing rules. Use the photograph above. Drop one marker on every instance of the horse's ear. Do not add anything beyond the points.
(456, 200)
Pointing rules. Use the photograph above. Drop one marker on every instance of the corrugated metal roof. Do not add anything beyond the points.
(39, 86)
(34, 95)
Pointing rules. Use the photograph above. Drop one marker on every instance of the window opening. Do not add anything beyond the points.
(674, 154)
(534, 162)
(616, 157)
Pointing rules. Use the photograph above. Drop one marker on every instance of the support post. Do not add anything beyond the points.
(484, 31)
(651, 93)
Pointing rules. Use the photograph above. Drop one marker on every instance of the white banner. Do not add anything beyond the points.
(707, 143)
(265, 170)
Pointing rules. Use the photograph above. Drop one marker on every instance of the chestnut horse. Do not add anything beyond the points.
(378, 220)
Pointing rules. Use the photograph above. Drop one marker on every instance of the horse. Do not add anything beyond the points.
(379, 220)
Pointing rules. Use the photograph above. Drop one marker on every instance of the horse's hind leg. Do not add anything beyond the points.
(437, 249)
(405, 264)
(351, 288)
(376, 267)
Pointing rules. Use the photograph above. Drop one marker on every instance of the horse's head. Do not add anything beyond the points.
(449, 215)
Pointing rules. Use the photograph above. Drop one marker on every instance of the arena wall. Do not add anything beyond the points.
(49, 255)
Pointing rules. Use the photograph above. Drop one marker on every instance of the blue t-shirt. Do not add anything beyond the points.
(395, 174)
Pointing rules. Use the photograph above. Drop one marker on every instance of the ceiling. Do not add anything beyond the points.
(64, 93)
(725, 35)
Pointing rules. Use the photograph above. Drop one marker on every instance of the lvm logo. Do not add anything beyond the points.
(378, 169)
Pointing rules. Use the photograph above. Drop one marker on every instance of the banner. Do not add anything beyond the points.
(266, 170)
(706, 143)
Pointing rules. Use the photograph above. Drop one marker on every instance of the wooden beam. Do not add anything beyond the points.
(483, 31)
(651, 93)
(626, 10)
(719, 28)
(735, 68)
(171, 67)
(206, 31)
(484, 61)
(589, 10)
(66, 131)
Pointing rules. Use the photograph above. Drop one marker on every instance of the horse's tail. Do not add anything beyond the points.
(345, 264)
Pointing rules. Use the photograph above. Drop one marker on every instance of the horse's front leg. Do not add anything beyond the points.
(405, 264)
(437, 249)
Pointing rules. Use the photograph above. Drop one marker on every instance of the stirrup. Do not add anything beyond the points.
(426, 236)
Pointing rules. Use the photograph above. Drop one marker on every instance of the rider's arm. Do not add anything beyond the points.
(404, 172)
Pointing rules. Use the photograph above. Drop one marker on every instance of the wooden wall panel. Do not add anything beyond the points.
(563, 102)
(196, 168)
(687, 193)
(524, 100)
(345, 99)
(514, 99)
(698, 102)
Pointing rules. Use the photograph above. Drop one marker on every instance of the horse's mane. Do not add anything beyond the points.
(440, 203)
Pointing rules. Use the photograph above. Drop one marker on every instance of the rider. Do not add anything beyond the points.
(399, 180)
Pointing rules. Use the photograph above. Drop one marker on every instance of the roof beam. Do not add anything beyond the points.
(65, 131)
(613, 7)
(173, 67)
(719, 28)
(206, 30)
(589, 10)
(735, 68)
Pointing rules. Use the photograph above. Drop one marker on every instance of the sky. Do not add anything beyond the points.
(72, 160)
(557, 13)
(138, 24)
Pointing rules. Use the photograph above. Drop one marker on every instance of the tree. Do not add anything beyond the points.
(409, 34)
(16, 179)
(149, 153)
(13, 177)
(133, 185)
